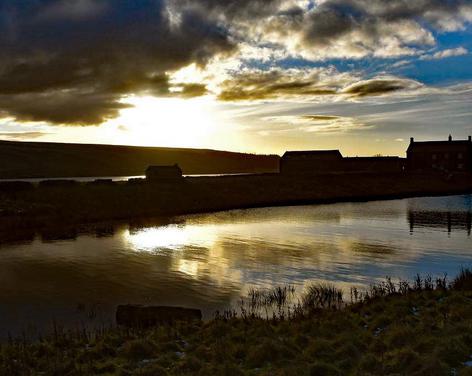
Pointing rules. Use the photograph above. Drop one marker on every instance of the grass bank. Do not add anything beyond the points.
(28, 206)
(419, 328)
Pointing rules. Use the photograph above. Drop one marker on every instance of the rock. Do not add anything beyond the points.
(145, 316)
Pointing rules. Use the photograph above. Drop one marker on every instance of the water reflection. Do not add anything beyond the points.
(208, 261)
(447, 213)
(103, 231)
(55, 234)
(168, 237)
(435, 219)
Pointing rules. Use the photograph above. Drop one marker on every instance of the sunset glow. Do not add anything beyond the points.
(166, 122)
(262, 76)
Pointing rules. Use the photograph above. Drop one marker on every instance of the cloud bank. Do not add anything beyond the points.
(308, 84)
(74, 61)
(71, 61)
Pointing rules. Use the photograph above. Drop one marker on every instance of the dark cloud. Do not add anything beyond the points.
(232, 9)
(192, 90)
(273, 84)
(356, 28)
(334, 18)
(321, 124)
(317, 118)
(379, 86)
(73, 67)
(329, 22)
(434, 11)
(22, 135)
(62, 107)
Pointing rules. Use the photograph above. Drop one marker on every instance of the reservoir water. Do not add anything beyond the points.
(208, 261)
(85, 179)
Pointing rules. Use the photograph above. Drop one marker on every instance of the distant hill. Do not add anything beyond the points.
(47, 160)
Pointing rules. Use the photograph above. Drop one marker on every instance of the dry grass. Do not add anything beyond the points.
(418, 328)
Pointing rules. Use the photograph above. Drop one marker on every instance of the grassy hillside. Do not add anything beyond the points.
(40, 159)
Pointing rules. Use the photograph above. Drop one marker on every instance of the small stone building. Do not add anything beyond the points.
(164, 173)
(440, 156)
(310, 162)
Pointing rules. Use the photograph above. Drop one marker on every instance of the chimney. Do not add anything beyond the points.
(412, 140)
(450, 138)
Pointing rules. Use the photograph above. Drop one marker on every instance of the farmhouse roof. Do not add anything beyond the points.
(438, 146)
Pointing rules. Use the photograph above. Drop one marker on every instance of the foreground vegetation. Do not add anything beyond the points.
(419, 328)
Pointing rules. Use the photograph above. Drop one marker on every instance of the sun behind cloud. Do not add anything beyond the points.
(167, 122)
(210, 73)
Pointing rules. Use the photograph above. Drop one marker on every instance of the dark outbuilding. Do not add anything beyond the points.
(331, 161)
(163, 173)
(310, 161)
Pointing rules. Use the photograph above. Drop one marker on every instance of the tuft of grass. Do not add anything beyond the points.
(323, 368)
(278, 296)
(463, 281)
(322, 296)
(139, 349)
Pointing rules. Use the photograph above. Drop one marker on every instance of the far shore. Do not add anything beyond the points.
(74, 203)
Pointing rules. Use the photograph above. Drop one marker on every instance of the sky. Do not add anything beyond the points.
(261, 76)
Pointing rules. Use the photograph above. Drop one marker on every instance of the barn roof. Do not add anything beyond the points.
(314, 153)
(164, 167)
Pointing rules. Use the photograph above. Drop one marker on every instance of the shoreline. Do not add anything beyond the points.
(80, 204)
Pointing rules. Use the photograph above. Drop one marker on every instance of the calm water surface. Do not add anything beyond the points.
(84, 179)
(209, 261)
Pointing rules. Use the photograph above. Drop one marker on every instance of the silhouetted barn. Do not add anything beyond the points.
(328, 161)
(374, 164)
(310, 161)
(440, 156)
(163, 173)
(453, 221)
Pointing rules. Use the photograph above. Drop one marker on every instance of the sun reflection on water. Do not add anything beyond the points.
(188, 267)
(174, 237)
